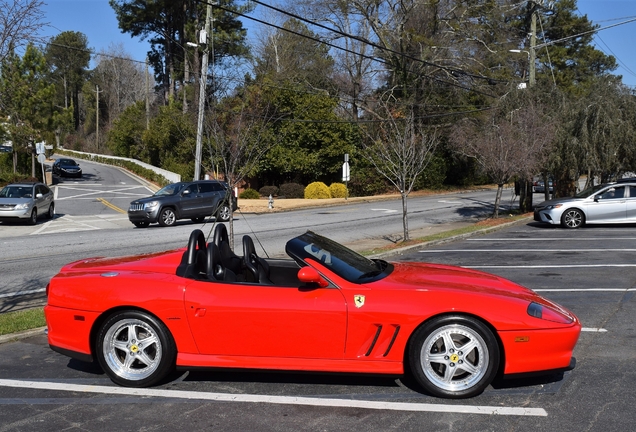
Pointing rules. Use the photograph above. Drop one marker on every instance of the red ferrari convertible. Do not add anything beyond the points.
(326, 308)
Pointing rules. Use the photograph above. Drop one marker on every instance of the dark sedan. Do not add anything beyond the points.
(65, 167)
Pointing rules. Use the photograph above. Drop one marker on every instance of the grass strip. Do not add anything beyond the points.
(12, 322)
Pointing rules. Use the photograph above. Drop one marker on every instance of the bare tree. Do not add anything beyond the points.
(20, 21)
(122, 79)
(506, 143)
(239, 137)
(400, 148)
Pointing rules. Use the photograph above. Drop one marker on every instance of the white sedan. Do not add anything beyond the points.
(602, 204)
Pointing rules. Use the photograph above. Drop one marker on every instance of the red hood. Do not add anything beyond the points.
(444, 277)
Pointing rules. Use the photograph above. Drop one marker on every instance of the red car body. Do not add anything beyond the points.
(331, 324)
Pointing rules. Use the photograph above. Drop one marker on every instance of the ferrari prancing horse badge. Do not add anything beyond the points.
(358, 300)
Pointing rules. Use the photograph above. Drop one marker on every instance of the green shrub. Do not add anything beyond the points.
(338, 190)
(367, 181)
(292, 190)
(266, 191)
(249, 194)
(317, 190)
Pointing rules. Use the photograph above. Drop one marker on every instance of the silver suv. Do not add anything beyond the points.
(26, 201)
(184, 200)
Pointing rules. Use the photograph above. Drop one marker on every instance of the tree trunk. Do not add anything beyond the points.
(405, 221)
(495, 213)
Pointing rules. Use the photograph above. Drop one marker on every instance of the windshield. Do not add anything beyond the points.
(16, 192)
(590, 191)
(341, 260)
(68, 162)
(171, 189)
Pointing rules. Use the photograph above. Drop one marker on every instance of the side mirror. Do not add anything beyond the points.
(38, 195)
(185, 192)
(310, 275)
(596, 198)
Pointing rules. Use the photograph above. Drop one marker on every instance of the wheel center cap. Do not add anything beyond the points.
(134, 348)
(454, 358)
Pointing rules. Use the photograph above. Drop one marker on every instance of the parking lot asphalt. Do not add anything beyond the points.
(591, 271)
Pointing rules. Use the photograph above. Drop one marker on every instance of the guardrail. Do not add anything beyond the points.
(169, 175)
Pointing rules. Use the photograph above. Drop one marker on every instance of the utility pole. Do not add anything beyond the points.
(97, 91)
(147, 97)
(203, 38)
(533, 43)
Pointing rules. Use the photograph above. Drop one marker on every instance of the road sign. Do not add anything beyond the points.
(345, 172)
(41, 158)
(39, 148)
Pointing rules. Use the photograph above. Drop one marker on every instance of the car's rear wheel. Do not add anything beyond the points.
(198, 219)
(51, 212)
(142, 224)
(135, 349)
(454, 356)
(223, 214)
(167, 217)
(572, 218)
(33, 219)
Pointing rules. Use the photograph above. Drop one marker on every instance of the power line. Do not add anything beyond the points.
(372, 58)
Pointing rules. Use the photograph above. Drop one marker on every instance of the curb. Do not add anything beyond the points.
(22, 335)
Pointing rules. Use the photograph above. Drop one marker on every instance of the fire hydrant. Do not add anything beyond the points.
(270, 202)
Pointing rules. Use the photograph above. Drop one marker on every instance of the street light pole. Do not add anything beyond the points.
(202, 83)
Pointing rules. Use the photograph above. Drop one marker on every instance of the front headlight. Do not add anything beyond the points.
(151, 205)
(553, 206)
(24, 206)
(546, 313)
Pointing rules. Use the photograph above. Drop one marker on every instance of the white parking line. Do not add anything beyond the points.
(525, 250)
(283, 400)
(551, 239)
(593, 330)
(548, 266)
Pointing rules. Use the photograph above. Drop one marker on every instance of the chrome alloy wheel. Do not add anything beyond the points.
(454, 357)
(167, 217)
(132, 349)
(572, 218)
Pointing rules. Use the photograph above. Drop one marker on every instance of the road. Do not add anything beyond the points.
(591, 271)
(89, 222)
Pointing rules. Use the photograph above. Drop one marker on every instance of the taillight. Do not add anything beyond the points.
(546, 313)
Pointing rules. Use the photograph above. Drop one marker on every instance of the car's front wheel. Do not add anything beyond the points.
(167, 217)
(135, 349)
(572, 218)
(223, 214)
(33, 219)
(454, 356)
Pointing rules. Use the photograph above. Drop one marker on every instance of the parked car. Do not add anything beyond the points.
(602, 204)
(26, 201)
(194, 200)
(539, 186)
(325, 308)
(65, 167)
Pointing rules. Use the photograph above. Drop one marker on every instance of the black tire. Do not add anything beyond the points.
(167, 217)
(198, 219)
(142, 224)
(572, 218)
(33, 219)
(448, 371)
(51, 213)
(224, 212)
(142, 360)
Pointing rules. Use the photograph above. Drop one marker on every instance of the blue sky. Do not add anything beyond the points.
(96, 19)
